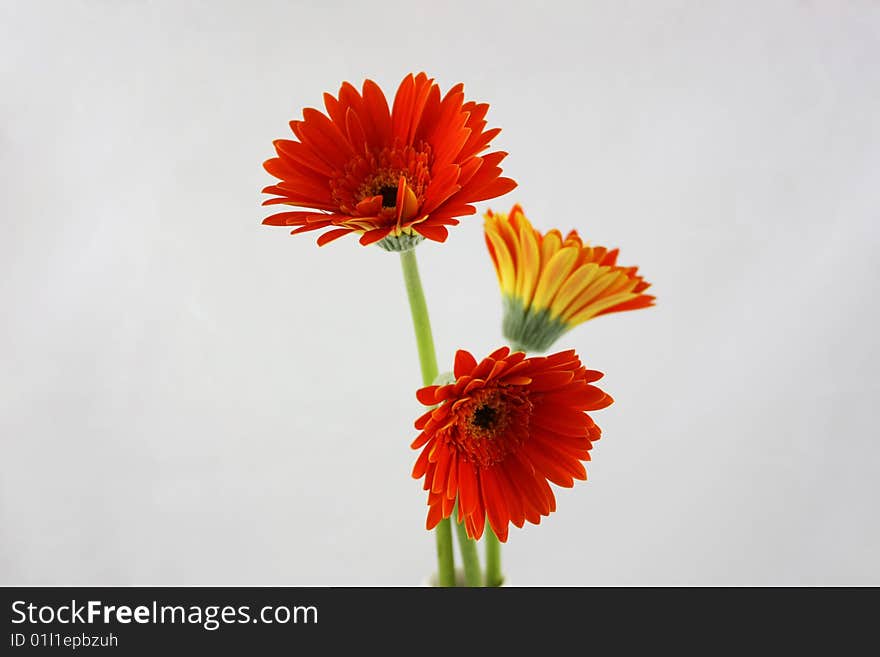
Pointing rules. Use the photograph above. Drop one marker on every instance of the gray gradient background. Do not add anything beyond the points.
(187, 397)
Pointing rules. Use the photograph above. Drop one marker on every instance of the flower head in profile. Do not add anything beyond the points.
(551, 284)
(393, 175)
(504, 428)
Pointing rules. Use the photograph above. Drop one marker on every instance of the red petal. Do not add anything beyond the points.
(331, 235)
(318, 225)
(401, 111)
(523, 476)
(427, 395)
(355, 130)
(421, 465)
(452, 479)
(544, 381)
(377, 110)
(324, 138)
(422, 439)
(496, 505)
(302, 155)
(441, 474)
(291, 218)
(467, 487)
(465, 363)
(546, 465)
(567, 462)
(447, 506)
(375, 235)
(436, 233)
(511, 492)
(435, 515)
(501, 352)
(442, 186)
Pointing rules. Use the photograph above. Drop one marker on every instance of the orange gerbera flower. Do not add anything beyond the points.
(395, 176)
(503, 429)
(551, 285)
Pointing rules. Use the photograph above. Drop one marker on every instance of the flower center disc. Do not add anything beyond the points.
(377, 172)
(491, 424)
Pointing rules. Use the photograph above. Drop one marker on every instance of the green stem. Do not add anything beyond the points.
(445, 558)
(421, 321)
(493, 559)
(469, 557)
(428, 364)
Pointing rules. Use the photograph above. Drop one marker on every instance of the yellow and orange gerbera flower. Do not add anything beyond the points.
(551, 284)
(504, 428)
(395, 176)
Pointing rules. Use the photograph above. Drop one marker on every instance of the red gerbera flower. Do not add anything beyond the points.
(402, 173)
(500, 432)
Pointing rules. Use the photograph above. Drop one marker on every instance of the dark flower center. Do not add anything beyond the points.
(490, 423)
(389, 196)
(485, 417)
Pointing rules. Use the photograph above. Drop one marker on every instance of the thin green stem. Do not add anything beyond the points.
(493, 559)
(421, 321)
(428, 364)
(445, 557)
(469, 557)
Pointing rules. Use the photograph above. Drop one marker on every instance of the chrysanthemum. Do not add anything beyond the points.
(503, 429)
(399, 175)
(551, 284)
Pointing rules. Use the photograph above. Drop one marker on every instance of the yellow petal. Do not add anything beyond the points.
(529, 263)
(573, 286)
(594, 309)
(507, 233)
(550, 245)
(590, 294)
(553, 275)
(504, 265)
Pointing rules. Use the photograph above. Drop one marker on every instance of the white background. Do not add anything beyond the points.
(188, 397)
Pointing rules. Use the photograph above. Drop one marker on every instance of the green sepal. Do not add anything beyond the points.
(529, 330)
(399, 243)
(444, 379)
